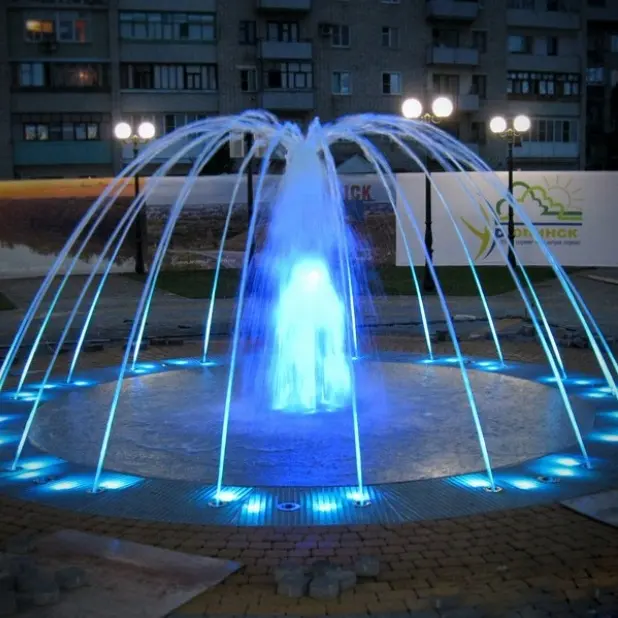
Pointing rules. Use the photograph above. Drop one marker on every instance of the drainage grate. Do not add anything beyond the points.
(288, 507)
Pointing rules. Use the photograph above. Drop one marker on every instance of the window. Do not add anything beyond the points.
(37, 30)
(595, 75)
(445, 38)
(391, 83)
(171, 122)
(150, 26)
(168, 77)
(552, 45)
(61, 131)
(391, 1)
(446, 84)
(31, 75)
(248, 79)
(478, 132)
(340, 35)
(479, 40)
(552, 130)
(60, 75)
(479, 86)
(613, 43)
(284, 31)
(289, 76)
(342, 82)
(247, 33)
(390, 37)
(519, 44)
(72, 27)
(543, 85)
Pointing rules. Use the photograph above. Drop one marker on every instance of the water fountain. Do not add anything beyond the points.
(303, 403)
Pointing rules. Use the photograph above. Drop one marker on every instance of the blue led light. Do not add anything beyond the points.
(65, 485)
(598, 394)
(451, 359)
(118, 481)
(604, 436)
(565, 472)
(568, 461)
(325, 507)
(181, 362)
(357, 496)
(28, 476)
(226, 495)
(39, 463)
(82, 383)
(208, 363)
(524, 484)
(583, 382)
(254, 506)
(7, 439)
(7, 418)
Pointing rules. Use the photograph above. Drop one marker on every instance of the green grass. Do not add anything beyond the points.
(5, 303)
(393, 281)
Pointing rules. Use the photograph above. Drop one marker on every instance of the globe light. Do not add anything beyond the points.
(497, 124)
(521, 123)
(146, 130)
(412, 108)
(442, 107)
(123, 130)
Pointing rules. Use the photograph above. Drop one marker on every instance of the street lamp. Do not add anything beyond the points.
(499, 126)
(124, 132)
(441, 108)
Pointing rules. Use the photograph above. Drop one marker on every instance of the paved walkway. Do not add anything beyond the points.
(173, 315)
(537, 562)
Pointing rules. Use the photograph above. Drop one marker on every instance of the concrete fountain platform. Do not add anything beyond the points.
(179, 500)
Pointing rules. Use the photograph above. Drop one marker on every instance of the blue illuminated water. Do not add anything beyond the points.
(296, 336)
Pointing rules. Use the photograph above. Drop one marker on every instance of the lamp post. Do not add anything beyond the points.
(499, 126)
(124, 132)
(441, 108)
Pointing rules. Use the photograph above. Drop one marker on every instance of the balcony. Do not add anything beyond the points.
(284, 5)
(288, 100)
(62, 153)
(460, 56)
(556, 20)
(452, 10)
(547, 150)
(533, 62)
(285, 50)
(468, 103)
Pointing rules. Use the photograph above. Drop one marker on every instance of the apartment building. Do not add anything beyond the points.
(71, 69)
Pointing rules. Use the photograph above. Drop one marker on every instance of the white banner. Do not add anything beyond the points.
(574, 212)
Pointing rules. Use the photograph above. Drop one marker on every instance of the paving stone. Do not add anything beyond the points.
(347, 579)
(7, 581)
(293, 586)
(324, 587)
(71, 578)
(367, 566)
(20, 544)
(290, 569)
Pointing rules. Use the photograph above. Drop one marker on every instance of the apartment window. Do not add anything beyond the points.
(479, 40)
(289, 76)
(248, 79)
(169, 77)
(445, 38)
(72, 27)
(61, 131)
(562, 6)
(151, 26)
(479, 86)
(37, 30)
(340, 35)
(284, 31)
(478, 132)
(76, 76)
(519, 44)
(613, 43)
(544, 85)
(391, 83)
(247, 32)
(391, 1)
(171, 122)
(446, 84)
(552, 131)
(342, 82)
(595, 75)
(390, 37)
(31, 75)
(552, 45)
(526, 5)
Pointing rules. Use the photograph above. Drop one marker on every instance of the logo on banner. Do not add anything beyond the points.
(552, 209)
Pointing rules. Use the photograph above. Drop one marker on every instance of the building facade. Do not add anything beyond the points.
(71, 69)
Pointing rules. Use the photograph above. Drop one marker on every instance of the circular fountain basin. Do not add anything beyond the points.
(415, 422)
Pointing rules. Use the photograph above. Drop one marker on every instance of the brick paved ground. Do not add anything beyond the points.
(543, 561)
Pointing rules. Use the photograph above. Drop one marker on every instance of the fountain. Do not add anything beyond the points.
(303, 398)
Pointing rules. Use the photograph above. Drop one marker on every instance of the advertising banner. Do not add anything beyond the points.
(574, 213)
